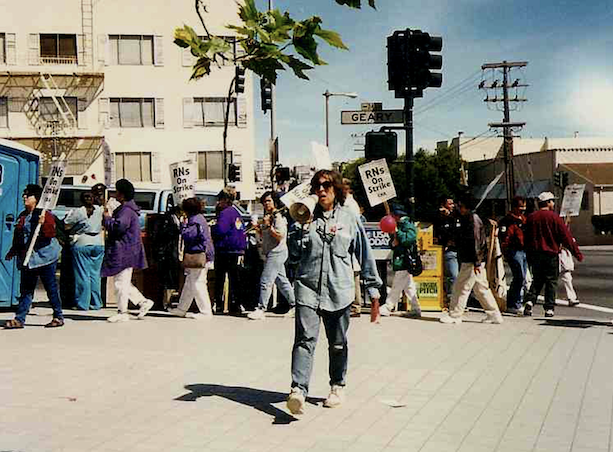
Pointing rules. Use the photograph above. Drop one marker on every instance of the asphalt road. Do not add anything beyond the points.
(593, 278)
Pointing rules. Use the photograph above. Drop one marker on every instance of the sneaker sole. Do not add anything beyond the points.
(144, 312)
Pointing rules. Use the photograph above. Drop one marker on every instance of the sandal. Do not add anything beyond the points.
(55, 323)
(13, 324)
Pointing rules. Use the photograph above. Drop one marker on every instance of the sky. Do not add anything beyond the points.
(568, 45)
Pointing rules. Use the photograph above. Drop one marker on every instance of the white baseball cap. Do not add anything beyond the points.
(546, 196)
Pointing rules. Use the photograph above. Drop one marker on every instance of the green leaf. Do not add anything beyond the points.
(355, 3)
(266, 68)
(307, 48)
(185, 36)
(201, 68)
(298, 67)
(249, 12)
(331, 37)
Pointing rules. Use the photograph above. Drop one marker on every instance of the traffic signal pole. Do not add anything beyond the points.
(409, 158)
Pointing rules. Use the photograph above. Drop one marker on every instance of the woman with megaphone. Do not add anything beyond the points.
(324, 286)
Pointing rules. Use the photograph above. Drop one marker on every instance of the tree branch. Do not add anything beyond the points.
(197, 4)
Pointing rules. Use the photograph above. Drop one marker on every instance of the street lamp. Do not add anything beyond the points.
(328, 95)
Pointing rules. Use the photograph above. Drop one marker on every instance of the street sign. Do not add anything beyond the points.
(372, 117)
(51, 192)
(377, 181)
(571, 203)
(371, 106)
(183, 179)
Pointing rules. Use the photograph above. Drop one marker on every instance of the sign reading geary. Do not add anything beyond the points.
(51, 192)
(377, 181)
(183, 178)
(571, 203)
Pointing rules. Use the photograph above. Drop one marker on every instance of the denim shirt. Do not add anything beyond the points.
(41, 256)
(325, 278)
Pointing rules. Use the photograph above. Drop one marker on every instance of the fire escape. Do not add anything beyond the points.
(53, 87)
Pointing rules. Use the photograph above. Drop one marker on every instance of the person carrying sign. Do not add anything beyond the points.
(472, 249)
(43, 261)
(404, 241)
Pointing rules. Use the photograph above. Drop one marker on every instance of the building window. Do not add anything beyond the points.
(48, 110)
(4, 113)
(58, 49)
(2, 48)
(210, 111)
(134, 166)
(132, 112)
(131, 50)
(210, 164)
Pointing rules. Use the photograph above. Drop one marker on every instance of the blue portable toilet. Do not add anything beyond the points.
(18, 167)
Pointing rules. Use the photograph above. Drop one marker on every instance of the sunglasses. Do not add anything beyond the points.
(326, 185)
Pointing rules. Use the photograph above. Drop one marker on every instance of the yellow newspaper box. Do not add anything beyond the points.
(430, 288)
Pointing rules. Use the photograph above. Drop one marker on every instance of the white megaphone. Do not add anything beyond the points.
(302, 211)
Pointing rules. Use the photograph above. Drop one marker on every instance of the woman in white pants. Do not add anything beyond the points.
(567, 266)
(197, 256)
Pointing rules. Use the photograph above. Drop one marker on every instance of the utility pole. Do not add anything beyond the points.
(506, 126)
(273, 142)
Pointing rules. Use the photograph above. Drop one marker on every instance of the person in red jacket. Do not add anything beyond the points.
(545, 232)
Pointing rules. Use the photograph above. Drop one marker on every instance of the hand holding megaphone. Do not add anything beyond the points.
(302, 211)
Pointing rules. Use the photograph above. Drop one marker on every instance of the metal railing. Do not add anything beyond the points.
(58, 60)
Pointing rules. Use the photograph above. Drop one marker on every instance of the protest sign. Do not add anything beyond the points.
(571, 203)
(298, 193)
(183, 179)
(51, 192)
(377, 181)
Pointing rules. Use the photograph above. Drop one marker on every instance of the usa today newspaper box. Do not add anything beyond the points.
(430, 283)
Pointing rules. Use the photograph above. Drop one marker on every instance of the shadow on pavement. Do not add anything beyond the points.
(574, 323)
(259, 399)
(78, 317)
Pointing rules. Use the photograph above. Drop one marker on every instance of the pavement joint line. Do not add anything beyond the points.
(584, 390)
(592, 307)
(451, 410)
(578, 337)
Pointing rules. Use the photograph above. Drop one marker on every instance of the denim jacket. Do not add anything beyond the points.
(325, 278)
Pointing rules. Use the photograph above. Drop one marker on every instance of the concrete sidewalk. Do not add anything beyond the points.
(170, 384)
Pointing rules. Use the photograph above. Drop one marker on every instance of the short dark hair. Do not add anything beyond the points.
(337, 183)
(33, 190)
(274, 196)
(192, 206)
(467, 200)
(125, 187)
(225, 195)
(517, 200)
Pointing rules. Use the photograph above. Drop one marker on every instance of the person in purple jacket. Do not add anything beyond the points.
(124, 252)
(197, 239)
(230, 242)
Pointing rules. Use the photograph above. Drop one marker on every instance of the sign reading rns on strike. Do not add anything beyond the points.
(51, 192)
(183, 178)
(377, 181)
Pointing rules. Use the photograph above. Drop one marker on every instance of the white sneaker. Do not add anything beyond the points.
(495, 318)
(199, 315)
(145, 307)
(295, 401)
(177, 312)
(258, 314)
(384, 311)
(336, 397)
(450, 320)
(291, 313)
(119, 317)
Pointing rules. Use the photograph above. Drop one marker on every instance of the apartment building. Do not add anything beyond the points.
(75, 74)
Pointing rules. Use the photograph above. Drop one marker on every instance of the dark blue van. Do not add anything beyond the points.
(19, 166)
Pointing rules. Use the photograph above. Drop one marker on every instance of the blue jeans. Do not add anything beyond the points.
(87, 262)
(452, 268)
(274, 271)
(307, 331)
(29, 277)
(518, 263)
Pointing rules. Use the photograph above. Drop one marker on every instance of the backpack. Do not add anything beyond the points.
(413, 260)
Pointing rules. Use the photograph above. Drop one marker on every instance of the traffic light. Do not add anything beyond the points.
(239, 79)
(282, 174)
(410, 62)
(266, 95)
(564, 179)
(557, 179)
(423, 61)
(234, 173)
(381, 145)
